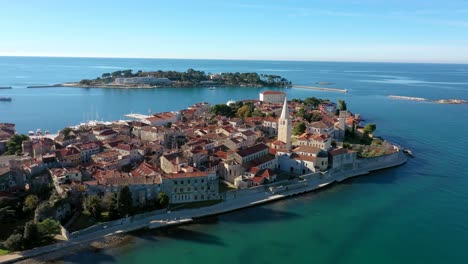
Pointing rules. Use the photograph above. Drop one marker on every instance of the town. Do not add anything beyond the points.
(59, 184)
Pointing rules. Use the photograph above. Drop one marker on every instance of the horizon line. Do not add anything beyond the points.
(227, 59)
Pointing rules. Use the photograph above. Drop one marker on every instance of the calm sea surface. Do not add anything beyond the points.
(416, 213)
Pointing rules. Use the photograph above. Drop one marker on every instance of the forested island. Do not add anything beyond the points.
(189, 78)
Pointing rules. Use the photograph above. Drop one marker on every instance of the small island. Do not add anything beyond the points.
(189, 78)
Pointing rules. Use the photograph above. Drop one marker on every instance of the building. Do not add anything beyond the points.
(173, 163)
(318, 141)
(88, 149)
(342, 124)
(162, 119)
(342, 158)
(284, 126)
(328, 107)
(272, 97)
(321, 127)
(65, 176)
(246, 155)
(185, 187)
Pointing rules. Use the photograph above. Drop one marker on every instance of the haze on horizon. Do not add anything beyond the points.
(330, 30)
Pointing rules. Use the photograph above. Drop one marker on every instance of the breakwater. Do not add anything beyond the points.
(439, 101)
(321, 88)
(45, 86)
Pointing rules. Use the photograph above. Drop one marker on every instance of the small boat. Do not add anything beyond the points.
(5, 99)
(408, 152)
(212, 88)
(31, 133)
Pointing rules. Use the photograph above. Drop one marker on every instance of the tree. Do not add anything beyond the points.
(13, 145)
(369, 129)
(301, 113)
(66, 131)
(222, 109)
(113, 210)
(163, 199)
(30, 203)
(48, 227)
(92, 205)
(245, 111)
(107, 201)
(342, 105)
(299, 129)
(124, 201)
(14, 242)
(31, 234)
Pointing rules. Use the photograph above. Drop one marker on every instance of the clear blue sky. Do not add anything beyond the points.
(348, 30)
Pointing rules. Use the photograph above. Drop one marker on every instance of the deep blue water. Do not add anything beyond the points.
(416, 213)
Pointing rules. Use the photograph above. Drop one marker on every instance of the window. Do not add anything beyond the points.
(175, 182)
(203, 180)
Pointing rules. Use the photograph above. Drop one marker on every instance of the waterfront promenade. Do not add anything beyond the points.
(234, 200)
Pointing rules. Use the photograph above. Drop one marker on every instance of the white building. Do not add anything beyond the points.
(272, 96)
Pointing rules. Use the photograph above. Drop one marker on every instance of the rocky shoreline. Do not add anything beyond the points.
(140, 86)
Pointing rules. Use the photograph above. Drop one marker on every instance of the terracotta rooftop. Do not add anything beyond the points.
(272, 92)
(251, 150)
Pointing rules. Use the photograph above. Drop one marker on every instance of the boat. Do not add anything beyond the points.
(212, 88)
(5, 99)
(5, 87)
(31, 133)
(408, 152)
(230, 102)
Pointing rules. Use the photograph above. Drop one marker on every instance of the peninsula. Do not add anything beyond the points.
(105, 178)
(189, 78)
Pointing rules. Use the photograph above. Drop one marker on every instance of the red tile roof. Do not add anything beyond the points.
(272, 92)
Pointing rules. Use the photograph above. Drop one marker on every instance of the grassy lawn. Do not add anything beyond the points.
(193, 205)
(3, 251)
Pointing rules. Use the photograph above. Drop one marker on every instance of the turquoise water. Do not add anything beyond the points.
(416, 213)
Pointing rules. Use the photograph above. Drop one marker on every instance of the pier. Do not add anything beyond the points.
(321, 88)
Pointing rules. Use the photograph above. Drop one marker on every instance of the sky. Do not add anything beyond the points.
(310, 30)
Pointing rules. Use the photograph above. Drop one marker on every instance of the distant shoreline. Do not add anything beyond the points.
(117, 86)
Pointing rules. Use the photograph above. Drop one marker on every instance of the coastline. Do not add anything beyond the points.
(118, 86)
(232, 202)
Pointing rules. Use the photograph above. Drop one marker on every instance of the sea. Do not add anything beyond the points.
(415, 213)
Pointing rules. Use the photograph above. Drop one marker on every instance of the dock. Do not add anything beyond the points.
(321, 88)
